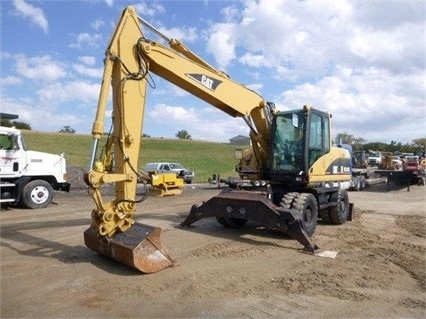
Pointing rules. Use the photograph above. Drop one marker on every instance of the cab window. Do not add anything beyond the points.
(319, 135)
(8, 142)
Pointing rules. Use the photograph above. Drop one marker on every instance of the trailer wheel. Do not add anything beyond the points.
(357, 186)
(339, 214)
(362, 181)
(37, 194)
(230, 222)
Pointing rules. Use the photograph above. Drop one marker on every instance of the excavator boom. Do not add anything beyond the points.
(113, 231)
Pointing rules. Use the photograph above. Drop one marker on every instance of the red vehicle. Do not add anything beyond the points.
(412, 163)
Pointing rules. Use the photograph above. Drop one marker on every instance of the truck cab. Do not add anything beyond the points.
(28, 178)
(374, 158)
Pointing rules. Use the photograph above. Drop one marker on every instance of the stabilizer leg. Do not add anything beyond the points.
(252, 206)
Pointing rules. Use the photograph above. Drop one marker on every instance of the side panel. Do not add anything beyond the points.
(333, 166)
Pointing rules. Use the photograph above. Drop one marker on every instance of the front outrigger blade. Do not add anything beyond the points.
(140, 247)
(256, 207)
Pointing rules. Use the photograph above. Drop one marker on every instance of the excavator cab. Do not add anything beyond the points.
(299, 138)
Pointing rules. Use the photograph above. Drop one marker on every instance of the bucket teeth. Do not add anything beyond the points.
(139, 247)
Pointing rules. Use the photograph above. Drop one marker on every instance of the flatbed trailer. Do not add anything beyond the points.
(403, 177)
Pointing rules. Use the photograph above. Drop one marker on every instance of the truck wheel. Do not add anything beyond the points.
(306, 205)
(339, 214)
(231, 222)
(37, 194)
(362, 181)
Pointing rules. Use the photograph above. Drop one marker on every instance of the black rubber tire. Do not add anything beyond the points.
(231, 222)
(339, 214)
(362, 179)
(37, 194)
(288, 200)
(324, 215)
(357, 186)
(306, 204)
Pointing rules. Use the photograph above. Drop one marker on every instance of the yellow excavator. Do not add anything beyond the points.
(290, 176)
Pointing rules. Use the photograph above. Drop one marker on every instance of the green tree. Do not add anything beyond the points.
(420, 145)
(183, 135)
(346, 138)
(18, 124)
(67, 129)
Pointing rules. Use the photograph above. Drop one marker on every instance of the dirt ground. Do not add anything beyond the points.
(379, 271)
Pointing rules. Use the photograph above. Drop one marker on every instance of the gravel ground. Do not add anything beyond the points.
(379, 271)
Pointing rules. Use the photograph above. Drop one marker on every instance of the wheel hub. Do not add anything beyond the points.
(39, 195)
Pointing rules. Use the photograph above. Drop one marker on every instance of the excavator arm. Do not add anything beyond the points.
(130, 57)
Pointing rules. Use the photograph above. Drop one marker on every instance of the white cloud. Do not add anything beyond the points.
(186, 35)
(230, 13)
(368, 103)
(97, 24)
(221, 44)
(34, 14)
(86, 40)
(70, 91)
(362, 61)
(87, 60)
(365, 44)
(10, 80)
(255, 86)
(40, 68)
(254, 60)
(109, 3)
(91, 72)
(153, 8)
(172, 114)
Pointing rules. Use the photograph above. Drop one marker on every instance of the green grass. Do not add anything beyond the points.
(205, 158)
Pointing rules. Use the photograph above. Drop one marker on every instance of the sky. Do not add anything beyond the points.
(362, 61)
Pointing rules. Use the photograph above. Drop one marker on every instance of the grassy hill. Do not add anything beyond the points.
(205, 158)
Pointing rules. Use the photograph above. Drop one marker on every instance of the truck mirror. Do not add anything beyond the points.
(238, 153)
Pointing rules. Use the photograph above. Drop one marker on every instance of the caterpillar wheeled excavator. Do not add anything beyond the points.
(290, 177)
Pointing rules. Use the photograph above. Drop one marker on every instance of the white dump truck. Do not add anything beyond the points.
(28, 178)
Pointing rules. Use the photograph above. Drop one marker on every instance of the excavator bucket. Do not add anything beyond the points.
(139, 247)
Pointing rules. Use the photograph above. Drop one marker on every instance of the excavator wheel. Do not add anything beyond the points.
(324, 215)
(231, 222)
(307, 205)
(339, 214)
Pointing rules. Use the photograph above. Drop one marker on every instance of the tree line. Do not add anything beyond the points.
(417, 146)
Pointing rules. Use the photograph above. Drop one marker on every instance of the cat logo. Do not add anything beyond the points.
(204, 80)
